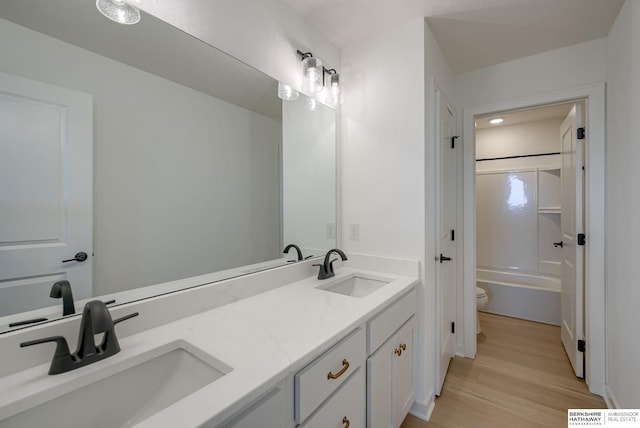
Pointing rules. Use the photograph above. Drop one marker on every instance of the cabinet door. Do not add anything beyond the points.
(380, 386)
(404, 371)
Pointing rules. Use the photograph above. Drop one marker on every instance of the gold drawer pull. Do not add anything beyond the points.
(346, 422)
(399, 349)
(345, 366)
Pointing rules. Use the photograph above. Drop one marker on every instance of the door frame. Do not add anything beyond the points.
(594, 277)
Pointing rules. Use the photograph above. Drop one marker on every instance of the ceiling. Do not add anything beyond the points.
(472, 33)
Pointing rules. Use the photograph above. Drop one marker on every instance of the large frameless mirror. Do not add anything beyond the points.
(167, 162)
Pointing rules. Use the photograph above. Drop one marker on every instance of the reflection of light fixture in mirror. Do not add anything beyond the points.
(119, 11)
(312, 73)
(496, 121)
(334, 87)
(286, 92)
(310, 104)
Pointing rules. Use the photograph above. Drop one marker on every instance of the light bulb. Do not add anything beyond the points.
(496, 121)
(286, 92)
(334, 90)
(310, 104)
(312, 75)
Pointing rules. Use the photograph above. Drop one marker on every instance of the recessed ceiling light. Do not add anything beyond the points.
(119, 11)
(496, 121)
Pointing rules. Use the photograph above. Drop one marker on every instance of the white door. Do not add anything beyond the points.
(446, 244)
(572, 292)
(46, 143)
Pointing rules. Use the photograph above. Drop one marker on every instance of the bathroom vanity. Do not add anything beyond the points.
(311, 353)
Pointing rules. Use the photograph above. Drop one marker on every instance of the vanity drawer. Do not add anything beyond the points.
(347, 407)
(325, 374)
(388, 321)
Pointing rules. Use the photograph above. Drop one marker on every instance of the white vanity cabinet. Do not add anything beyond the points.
(330, 391)
(391, 366)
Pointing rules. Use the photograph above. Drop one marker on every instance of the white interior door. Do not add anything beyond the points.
(446, 244)
(572, 224)
(46, 143)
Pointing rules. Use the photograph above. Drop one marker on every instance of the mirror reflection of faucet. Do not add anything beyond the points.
(62, 289)
(298, 250)
(96, 319)
(326, 268)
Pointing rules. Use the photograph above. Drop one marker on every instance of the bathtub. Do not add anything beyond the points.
(530, 297)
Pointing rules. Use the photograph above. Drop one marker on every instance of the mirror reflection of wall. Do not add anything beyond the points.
(309, 175)
(184, 183)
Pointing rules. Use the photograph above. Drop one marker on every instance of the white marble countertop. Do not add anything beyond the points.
(263, 338)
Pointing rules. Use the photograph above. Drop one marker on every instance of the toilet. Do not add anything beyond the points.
(481, 303)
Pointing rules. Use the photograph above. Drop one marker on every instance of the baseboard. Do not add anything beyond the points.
(422, 410)
(610, 398)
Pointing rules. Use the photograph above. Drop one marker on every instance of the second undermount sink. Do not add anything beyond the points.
(356, 285)
(129, 396)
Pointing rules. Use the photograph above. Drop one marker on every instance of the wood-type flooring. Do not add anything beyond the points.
(521, 377)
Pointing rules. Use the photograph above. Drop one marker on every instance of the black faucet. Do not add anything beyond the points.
(326, 269)
(96, 319)
(290, 246)
(62, 289)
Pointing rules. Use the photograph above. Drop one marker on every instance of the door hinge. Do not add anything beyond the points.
(453, 235)
(581, 239)
(453, 141)
(580, 133)
(582, 346)
(453, 328)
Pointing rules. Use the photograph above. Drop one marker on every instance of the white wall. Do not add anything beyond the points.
(542, 136)
(388, 161)
(383, 134)
(308, 176)
(564, 68)
(623, 208)
(383, 142)
(153, 151)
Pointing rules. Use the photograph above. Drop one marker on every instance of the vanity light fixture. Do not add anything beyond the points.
(312, 73)
(286, 92)
(119, 11)
(313, 78)
(496, 121)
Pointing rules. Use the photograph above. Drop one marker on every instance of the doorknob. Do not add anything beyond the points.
(444, 258)
(558, 244)
(79, 257)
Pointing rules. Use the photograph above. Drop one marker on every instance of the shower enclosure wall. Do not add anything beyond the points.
(518, 221)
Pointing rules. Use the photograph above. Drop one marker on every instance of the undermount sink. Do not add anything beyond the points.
(356, 286)
(129, 396)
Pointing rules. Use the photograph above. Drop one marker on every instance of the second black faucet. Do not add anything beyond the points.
(326, 268)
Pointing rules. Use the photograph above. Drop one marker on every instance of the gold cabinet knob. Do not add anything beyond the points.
(398, 351)
(346, 422)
